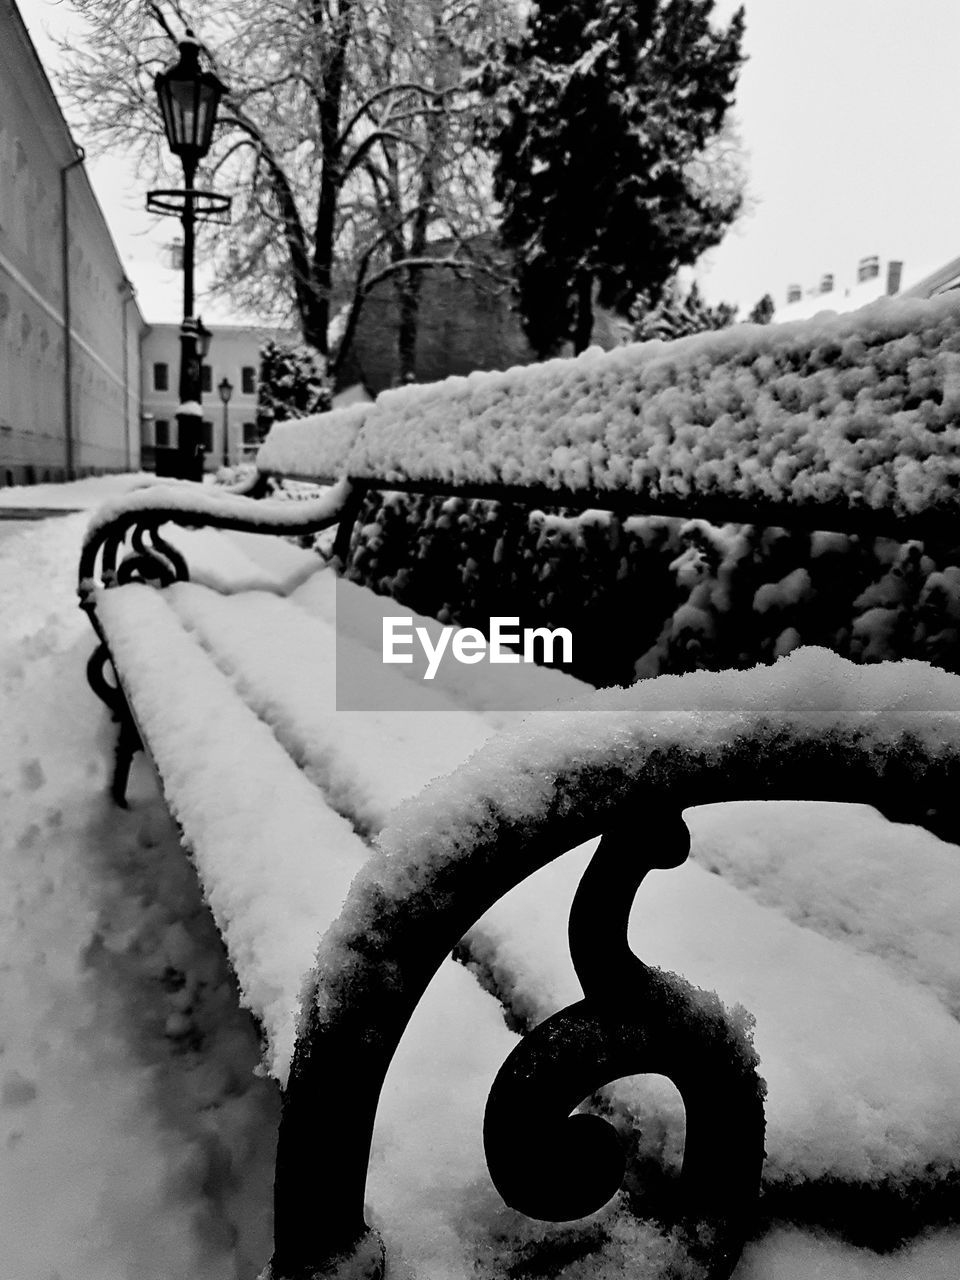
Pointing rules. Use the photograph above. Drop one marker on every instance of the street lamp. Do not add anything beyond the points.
(189, 98)
(204, 338)
(225, 388)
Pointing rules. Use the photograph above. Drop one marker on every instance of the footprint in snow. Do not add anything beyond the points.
(32, 775)
(16, 1090)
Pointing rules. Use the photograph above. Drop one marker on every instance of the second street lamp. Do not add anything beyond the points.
(189, 98)
(225, 388)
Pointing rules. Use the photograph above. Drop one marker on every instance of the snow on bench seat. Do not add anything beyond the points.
(231, 562)
(885, 889)
(502, 693)
(273, 858)
(860, 1063)
(282, 661)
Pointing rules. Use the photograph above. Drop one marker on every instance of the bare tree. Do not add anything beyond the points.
(346, 136)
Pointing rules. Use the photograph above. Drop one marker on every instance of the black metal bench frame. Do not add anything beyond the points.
(543, 1163)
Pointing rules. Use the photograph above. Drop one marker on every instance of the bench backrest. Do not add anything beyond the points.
(841, 422)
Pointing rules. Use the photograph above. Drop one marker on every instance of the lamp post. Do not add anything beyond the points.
(225, 388)
(189, 98)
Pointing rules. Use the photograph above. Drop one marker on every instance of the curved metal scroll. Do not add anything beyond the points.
(443, 867)
(157, 563)
(234, 511)
(645, 1021)
(130, 548)
(551, 1162)
(108, 691)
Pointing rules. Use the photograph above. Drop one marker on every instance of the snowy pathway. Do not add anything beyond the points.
(135, 1134)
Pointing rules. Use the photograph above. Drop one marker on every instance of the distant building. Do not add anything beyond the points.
(465, 323)
(234, 355)
(835, 292)
(871, 281)
(69, 323)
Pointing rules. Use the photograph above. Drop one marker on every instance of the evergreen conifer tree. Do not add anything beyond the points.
(604, 108)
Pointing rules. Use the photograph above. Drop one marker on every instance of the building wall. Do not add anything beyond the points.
(464, 324)
(232, 349)
(47, 390)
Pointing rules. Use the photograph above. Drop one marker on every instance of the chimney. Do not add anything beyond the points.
(894, 275)
(794, 293)
(826, 283)
(868, 268)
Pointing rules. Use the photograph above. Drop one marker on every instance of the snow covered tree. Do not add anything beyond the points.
(676, 315)
(605, 109)
(762, 313)
(346, 136)
(291, 385)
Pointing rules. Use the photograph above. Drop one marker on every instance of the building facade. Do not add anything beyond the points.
(70, 327)
(230, 432)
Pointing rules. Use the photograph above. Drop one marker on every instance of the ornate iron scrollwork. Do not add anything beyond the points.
(107, 691)
(130, 548)
(157, 564)
(545, 1161)
(549, 1161)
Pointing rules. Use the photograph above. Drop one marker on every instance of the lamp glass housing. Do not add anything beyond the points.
(204, 337)
(189, 99)
(225, 388)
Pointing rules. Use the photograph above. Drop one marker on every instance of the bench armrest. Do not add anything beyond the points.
(107, 557)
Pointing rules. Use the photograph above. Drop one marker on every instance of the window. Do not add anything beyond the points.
(248, 380)
(161, 377)
(252, 437)
(206, 436)
(161, 433)
(206, 379)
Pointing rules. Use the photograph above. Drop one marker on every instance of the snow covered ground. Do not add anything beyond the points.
(137, 1127)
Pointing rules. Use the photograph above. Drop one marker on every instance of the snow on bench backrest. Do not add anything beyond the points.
(855, 411)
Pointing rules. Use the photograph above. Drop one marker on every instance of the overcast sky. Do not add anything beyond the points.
(848, 111)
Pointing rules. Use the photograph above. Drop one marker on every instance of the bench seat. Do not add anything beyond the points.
(275, 860)
(277, 853)
(282, 660)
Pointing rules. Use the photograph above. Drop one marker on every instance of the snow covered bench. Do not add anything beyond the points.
(278, 793)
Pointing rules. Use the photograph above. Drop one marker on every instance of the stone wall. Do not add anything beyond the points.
(465, 324)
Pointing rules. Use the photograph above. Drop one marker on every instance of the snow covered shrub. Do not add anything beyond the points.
(466, 561)
(649, 595)
(756, 595)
